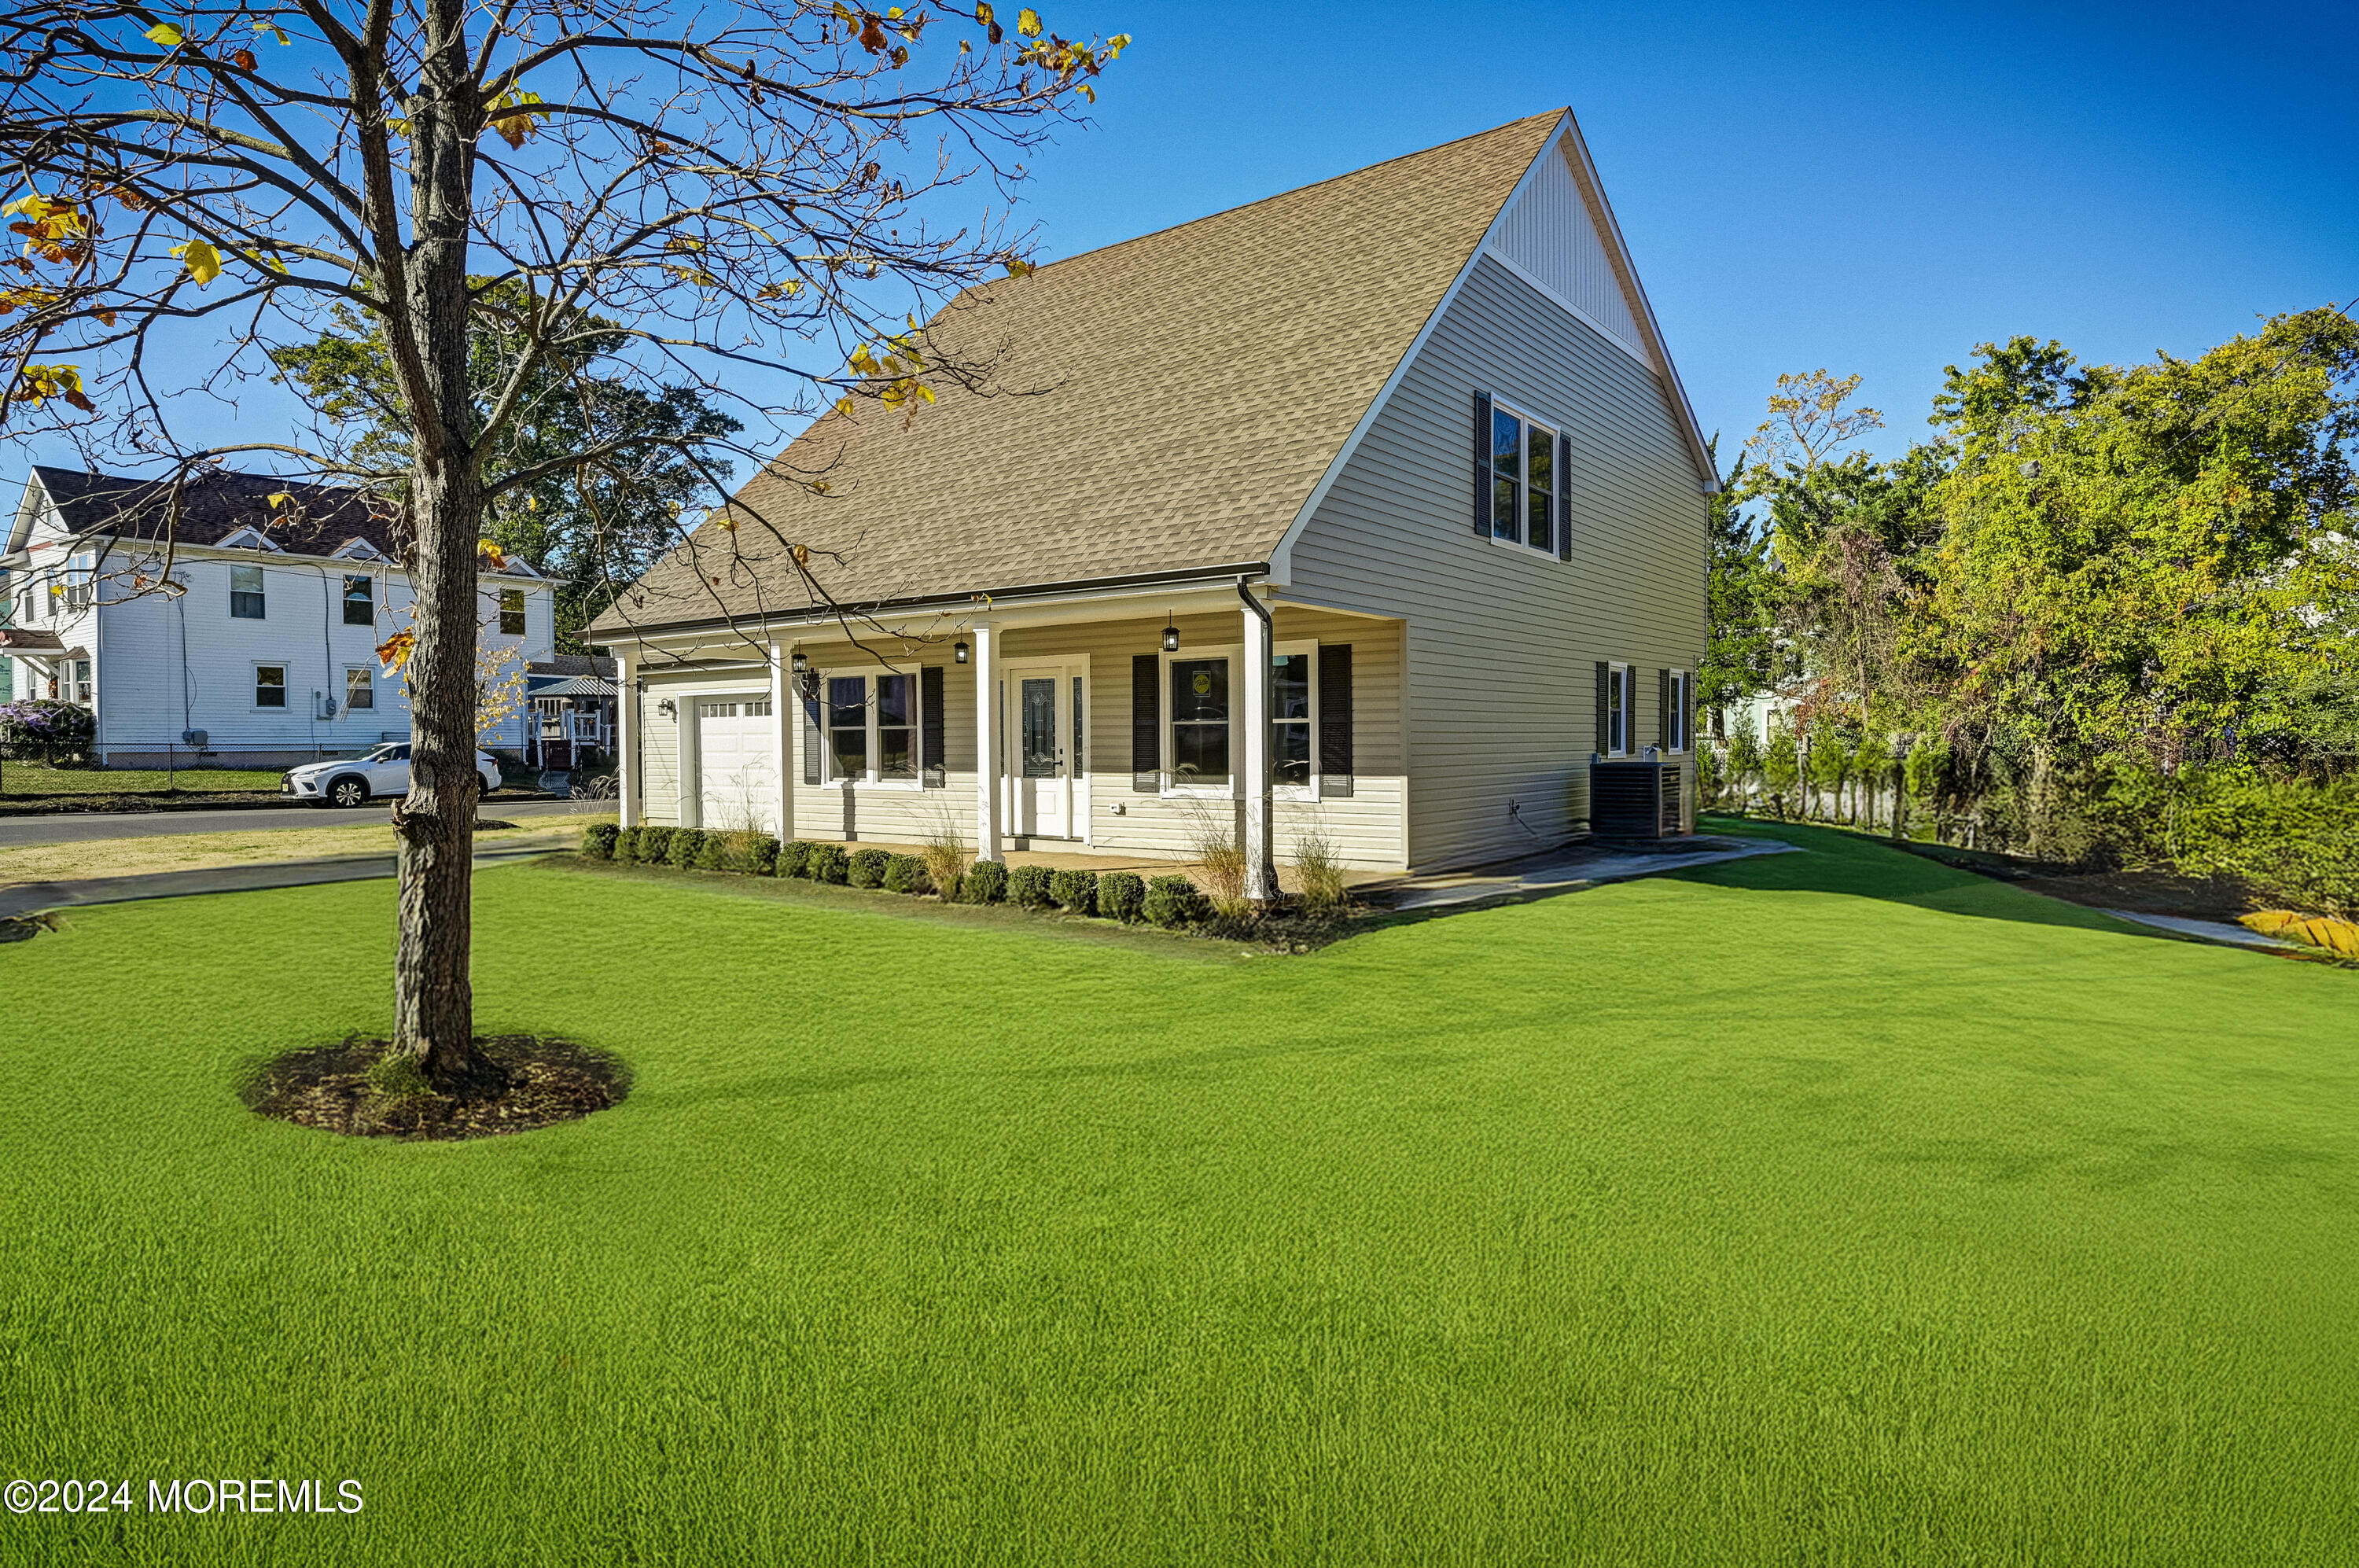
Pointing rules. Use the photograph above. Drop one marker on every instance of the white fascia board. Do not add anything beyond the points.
(1567, 131)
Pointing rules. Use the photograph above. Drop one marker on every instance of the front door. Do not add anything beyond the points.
(1039, 752)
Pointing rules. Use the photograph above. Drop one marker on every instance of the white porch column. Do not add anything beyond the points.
(986, 742)
(782, 738)
(631, 787)
(1261, 873)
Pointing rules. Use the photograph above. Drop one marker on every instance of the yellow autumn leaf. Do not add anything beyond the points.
(203, 261)
(279, 497)
(164, 34)
(982, 13)
(1027, 22)
(274, 30)
(843, 406)
(393, 652)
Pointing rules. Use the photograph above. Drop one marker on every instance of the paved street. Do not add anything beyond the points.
(80, 826)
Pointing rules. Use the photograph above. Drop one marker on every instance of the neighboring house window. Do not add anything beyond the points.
(360, 600)
(269, 685)
(81, 585)
(1676, 712)
(245, 596)
(82, 682)
(1523, 481)
(872, 728)
(1199, 722)
(1617, 711)
(360, 688)
(511, 612)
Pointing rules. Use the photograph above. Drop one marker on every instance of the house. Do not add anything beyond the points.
(264, 654)
(572, 698)
(1372, 511)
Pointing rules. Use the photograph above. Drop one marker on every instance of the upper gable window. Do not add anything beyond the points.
(245, 593)
(359, 599)
(1523, 481)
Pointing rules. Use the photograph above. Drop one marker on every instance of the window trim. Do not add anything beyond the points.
(367, 672)
(367, 600)
(867, 673)
(1235, 654)
(522, 611)
(1531, 422)
(1679, 743)
(260, 706)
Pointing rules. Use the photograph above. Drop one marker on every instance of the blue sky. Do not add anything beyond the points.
(1873, 189)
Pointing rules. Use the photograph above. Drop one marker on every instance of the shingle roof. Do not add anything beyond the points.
(1161, 405)
(573, 664)
(319, 519)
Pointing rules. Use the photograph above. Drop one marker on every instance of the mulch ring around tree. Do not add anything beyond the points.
(357, 1086)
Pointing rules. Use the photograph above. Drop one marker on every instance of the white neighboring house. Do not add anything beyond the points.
(267, 657)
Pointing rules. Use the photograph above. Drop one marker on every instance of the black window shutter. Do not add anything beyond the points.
(814, 742)
(1145, 722)
(1482, 463)
(932, 775)
(1335, 720)
(1563, 498)
(1604, 674)
(1663, 709)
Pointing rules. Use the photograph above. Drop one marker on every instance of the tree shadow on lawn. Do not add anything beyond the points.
(1858, 867)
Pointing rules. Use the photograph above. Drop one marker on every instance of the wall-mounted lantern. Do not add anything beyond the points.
(801, 662)
(1170, 640)
(958, 651)
(668, 708)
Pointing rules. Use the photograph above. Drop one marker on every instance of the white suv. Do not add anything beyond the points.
(384, 771)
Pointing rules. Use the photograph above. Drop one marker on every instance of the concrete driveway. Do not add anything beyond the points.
(78, 827)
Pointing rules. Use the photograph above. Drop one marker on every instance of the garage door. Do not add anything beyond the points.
(735, 737)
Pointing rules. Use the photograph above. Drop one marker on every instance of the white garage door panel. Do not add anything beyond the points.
(737, 771)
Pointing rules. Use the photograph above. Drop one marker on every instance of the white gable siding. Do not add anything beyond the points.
(1503, 642)
(1548, 234)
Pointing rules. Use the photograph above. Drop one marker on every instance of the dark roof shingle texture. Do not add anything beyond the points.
(319, 521)
(1164, 404)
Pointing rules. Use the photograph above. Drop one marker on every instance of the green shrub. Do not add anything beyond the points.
(2291, 840)
(1075, 890)
(868, 866)
(716, 852)
(1028, 886)
(1174, 901)
(1318, 879)
(759, 857)
(654, 846)
(906, 874)
(1121, 895)
(827, 864)
(598, 841)
(687, 846)
(627, 846)
(984, 883)
(794, 857)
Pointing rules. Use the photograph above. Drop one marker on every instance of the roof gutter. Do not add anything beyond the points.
(1207, 576)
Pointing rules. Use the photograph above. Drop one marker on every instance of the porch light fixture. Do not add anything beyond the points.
(958, 651)
(801, 662)
(668, 708)
(1170, 637)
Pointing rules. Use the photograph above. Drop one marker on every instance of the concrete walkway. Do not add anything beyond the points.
(2226, 931)
(32, 898)
(1560, 870)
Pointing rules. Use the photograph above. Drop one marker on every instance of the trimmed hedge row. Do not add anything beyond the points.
(1171, 902)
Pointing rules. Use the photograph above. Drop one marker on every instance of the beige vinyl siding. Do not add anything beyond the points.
(1503, 642)
(1365, 829)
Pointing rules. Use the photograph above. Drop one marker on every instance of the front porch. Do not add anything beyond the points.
(1122, 732)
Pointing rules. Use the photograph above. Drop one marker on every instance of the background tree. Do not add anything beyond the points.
(593, 526)
(1741, 657)
(754, 194)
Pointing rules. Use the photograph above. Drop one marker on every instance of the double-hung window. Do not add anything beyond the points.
(360, 688)
(359, 599)
(1199, 723)
(1620, 693)
(511, 612)
(245, 596)
(1290, 719)
(872, 728)
(270, 686)
(82, 584)
(1523, 481)
(1678, 697)
(82, 682)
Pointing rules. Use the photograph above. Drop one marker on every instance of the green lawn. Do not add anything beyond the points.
(39, 778)
(1829, 1208)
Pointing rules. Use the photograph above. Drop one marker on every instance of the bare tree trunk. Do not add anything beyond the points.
(433, 994)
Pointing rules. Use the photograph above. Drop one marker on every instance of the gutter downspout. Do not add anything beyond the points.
(1261, 867)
